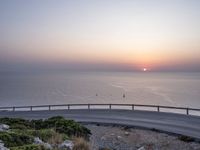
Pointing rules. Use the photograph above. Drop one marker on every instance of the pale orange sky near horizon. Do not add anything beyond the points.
(144, 34)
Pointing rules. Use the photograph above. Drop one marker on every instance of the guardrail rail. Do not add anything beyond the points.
(157, 108)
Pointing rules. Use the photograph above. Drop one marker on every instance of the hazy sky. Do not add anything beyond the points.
(100, 34)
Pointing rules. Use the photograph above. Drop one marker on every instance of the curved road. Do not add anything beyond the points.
(168, 122)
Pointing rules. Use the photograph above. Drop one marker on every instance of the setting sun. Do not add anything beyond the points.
(144, 69)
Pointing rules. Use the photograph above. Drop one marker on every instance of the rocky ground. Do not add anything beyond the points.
(124, 138)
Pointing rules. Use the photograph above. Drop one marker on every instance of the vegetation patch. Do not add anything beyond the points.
(12, 139)
(53, 131)
(29, 147)
(186, 138)
(80, 144)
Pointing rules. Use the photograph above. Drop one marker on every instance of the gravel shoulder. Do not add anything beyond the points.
(123, 138)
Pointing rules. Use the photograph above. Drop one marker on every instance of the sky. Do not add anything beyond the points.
(160, 35)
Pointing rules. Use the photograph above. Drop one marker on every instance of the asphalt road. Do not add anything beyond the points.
(167, 122)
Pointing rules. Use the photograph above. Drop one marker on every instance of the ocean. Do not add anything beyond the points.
(171, 89)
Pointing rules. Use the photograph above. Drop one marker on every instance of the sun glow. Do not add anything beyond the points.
(144, 69)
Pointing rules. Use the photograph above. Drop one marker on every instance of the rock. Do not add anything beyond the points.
(2, 146)
(47, 146)
(67, 144)
(119, 137)
(103, 138)
(4, 127)
(127, 133)
(112, 134)
(141, 148)
(38, 141)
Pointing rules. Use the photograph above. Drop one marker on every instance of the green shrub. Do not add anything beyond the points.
(186, 138)
(19, 126)
(29, 147)
(60, 124)
(12, 139)
(56, 129)
(43, 134)
(15, 123)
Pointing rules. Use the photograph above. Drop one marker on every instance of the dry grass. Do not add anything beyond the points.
(56, 139)
(80, 144)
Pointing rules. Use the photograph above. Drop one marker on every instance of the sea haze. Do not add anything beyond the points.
(173, 89)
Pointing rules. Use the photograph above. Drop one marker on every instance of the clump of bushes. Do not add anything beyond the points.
(29, 147)
(60, 124)
(16, 123)
(186, 138)
(53, 130)
(43, 134)
(12, 139)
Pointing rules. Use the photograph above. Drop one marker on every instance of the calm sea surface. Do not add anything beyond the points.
(174, 89)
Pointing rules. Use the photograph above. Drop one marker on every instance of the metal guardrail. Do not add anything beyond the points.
(158, 108)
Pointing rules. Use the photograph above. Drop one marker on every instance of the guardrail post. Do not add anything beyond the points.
(31, 108)
(187, 111)
(68, 106)
(88, 106)
(132, 107)
(158, 108)
(110, 107)
(49, 107)
(13, 108)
